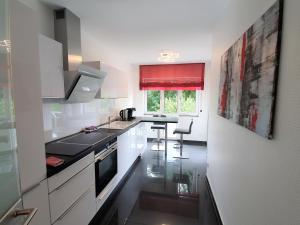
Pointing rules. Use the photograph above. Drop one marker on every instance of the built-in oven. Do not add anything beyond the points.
(106, 165)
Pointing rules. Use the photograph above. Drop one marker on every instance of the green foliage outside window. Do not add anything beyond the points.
(170, 102)
(174, 101)
(188, 102)
(153, 101)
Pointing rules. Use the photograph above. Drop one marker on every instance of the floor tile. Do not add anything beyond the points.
(164, 191)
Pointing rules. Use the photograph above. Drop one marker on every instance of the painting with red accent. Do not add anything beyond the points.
(249, 73)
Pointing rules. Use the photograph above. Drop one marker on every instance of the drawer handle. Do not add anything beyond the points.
(15, 212)
(26, 212)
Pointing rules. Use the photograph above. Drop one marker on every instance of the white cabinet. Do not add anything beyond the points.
(51, 66)
(81, 212)
(73, 189)
(123, 154)
(130, 146)
(64, 196)
(27, 96)
(141, 138)
(59, 179)
(28, 111)
(115, 84)
(38, 198)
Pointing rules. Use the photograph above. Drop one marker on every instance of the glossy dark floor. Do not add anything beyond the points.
(164, 192)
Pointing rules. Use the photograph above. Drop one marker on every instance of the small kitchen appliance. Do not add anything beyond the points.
(130, 113)
(127, 114)
(124, 114)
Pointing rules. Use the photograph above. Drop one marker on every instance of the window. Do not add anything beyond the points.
(153, 101)
(172, 102)
(188, 102)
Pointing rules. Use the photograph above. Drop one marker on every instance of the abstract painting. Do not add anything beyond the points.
(249, 72)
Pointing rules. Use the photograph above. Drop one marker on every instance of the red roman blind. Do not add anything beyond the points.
(189, 76)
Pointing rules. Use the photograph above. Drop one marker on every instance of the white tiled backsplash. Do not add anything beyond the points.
(62, 119)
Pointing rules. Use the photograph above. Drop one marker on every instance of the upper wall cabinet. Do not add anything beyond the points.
(51, 65)
(115, 83)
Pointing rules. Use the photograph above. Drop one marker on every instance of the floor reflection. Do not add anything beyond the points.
(164, 191)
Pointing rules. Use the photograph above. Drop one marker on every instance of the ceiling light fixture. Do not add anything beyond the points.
(168, 56)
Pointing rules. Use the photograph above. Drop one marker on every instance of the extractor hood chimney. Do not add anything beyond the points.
(81, 82)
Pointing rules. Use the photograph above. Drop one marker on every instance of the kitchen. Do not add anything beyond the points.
(76, 106)
(108, 116)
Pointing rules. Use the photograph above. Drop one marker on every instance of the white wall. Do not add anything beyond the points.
(256, 181)
(199, 130)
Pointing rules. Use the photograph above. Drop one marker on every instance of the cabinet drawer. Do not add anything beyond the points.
(62, 177)
(63, 197)
(81, 212)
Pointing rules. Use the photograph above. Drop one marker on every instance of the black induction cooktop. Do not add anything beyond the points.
(86, 138)
(65, 149)
(76, 144)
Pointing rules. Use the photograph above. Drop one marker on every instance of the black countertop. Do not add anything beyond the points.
(113, 133)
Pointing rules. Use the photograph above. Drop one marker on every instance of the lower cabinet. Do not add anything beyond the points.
(130, 145)
(38, 198)
(64, 196)
(141, 138)
(72, 194)
(126, 152)
(81, 212)
(72, 197)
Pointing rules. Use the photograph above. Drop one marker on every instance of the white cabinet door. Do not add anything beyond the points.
(51, 65)
(136, 135)
(115, 84)
(132, 149)
(38, 198)
(141, 138)
(123, 153)
(127, 151)
(59, 179)
(27, 96)
(81, 212)
(63, 197)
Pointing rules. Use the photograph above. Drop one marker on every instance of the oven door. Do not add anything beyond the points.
(106, 167)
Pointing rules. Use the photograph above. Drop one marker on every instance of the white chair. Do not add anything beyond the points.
(183, 131)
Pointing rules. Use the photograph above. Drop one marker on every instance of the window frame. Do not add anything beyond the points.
(179, 112)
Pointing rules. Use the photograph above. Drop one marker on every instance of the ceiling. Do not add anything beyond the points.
(141, 29)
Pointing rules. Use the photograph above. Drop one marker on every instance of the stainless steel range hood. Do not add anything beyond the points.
(81, 82)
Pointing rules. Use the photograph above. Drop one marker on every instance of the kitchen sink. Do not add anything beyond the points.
(118, 125)
(108, 130)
